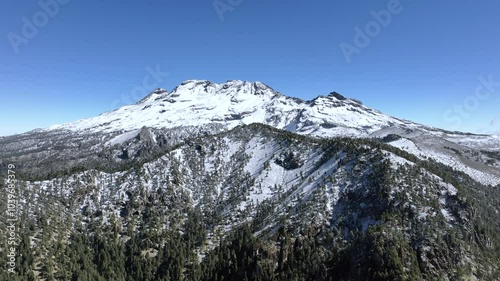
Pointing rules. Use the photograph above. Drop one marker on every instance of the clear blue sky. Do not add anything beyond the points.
(88, 54)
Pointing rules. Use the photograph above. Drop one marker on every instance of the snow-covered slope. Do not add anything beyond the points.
(264, 177)
(200, 102)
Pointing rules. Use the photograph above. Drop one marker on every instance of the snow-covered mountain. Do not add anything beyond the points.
(198, 103)
(235, 103)
(329, 189)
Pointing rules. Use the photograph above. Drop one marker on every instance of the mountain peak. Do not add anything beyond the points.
(337, 95)
(199, 102)
(194, 81)
(158, 92)
(229, 88)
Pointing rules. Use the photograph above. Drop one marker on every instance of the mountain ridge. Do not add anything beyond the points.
(240, 93)
(236, 180)
(338, 193)
(201, 103)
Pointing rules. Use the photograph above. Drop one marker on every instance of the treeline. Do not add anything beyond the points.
(379, 254)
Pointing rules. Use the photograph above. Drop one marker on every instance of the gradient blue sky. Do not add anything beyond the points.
(92, 53)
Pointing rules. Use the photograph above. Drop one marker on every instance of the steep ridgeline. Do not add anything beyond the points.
(258, 203)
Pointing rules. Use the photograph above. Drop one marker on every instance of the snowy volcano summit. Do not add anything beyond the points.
(198, 102)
